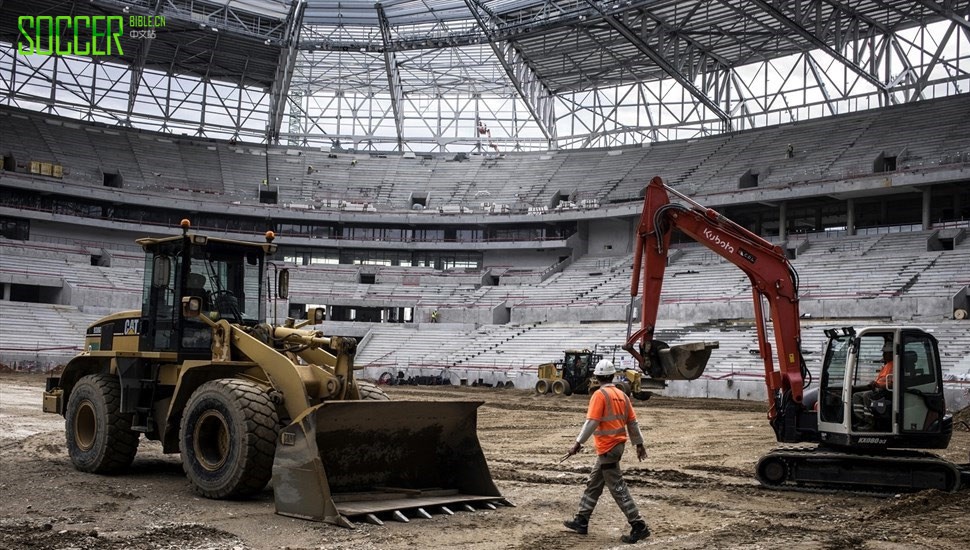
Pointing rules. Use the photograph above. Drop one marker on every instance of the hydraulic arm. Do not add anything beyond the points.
(773, 282)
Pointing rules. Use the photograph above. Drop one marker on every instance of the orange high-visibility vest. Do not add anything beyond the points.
(612, 409)
(883, 379)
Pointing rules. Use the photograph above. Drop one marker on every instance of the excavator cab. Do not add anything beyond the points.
(882, 387)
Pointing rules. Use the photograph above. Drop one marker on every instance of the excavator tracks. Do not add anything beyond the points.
(819, 469)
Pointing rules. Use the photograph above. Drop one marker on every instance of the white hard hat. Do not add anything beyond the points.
(604, 368)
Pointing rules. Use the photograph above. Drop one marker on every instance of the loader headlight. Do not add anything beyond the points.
(191, 306)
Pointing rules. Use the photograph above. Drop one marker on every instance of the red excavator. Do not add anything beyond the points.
(867, 438)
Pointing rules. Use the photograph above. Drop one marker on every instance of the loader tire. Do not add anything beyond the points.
(542, 386)
(370, 392)
(561, 387)
(99, 437)
(228, 438)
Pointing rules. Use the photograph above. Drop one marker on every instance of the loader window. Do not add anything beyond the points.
(160, 306)
(232, 281)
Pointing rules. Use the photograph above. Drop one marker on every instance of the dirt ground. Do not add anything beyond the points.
(696, 490)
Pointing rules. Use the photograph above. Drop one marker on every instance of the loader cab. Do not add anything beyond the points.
(226, 275)
(577, 368)
(882, 388)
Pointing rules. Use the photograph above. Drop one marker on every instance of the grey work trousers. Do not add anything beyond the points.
(606, 472)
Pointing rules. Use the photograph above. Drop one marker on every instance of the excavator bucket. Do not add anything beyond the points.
(686, 361)
(373, 459)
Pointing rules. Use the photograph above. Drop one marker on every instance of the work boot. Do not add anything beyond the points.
(638, 531)
(578, 524)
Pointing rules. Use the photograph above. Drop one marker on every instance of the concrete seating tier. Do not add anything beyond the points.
(517, 349)
(42, 328)
(825, 149)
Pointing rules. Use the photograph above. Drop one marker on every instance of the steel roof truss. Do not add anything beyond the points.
(393, 75)
(662, 62)
(532, 91)
(790, 20)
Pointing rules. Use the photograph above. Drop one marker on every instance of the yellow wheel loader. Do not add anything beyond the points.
(245, 402)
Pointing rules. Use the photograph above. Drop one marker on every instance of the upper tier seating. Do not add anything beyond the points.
(824, 149)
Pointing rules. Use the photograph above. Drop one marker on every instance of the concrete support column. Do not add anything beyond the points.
(926, 208)
(6, 292)
(782, 221)
(850, 217)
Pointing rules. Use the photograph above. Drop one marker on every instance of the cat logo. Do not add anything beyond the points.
(131, 326)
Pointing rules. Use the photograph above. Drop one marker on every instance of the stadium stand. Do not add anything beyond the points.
(499, 321)
(829, 149)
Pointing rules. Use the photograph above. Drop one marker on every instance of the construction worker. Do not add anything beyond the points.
(609, 419)
(875, 398)
(434, 316)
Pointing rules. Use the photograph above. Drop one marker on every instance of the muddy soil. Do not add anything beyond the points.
(696, 490)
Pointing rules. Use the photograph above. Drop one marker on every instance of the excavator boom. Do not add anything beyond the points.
(773, 280)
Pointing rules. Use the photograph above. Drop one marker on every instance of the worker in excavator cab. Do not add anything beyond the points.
(874, 402)
(609, 419)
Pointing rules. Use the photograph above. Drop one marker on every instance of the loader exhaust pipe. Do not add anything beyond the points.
(341, 460)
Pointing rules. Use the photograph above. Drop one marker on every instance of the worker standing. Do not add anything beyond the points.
(609, 418)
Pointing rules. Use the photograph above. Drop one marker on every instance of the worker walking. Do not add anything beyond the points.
(609, 418)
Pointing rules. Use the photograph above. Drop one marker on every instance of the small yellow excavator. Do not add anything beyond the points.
(244, 401)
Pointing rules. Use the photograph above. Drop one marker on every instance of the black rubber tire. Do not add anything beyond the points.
(228, 438)
(543, 386)
(99, 437)
(370, 392)
(561, 387)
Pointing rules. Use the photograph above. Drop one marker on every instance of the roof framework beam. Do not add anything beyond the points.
(923, 80)
(947, 11)
(661, 62)
(533, 92)
(393, 75)
(138, 67)
(822, 45)
(284, 74)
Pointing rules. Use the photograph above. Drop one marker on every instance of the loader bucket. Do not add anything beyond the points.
(686, 361)
(367, 459)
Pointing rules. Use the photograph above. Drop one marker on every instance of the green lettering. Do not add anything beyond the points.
(50, 34)
(79, 21)
(95, 35)
(29, 21)
(116, 32)
(57, 23)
